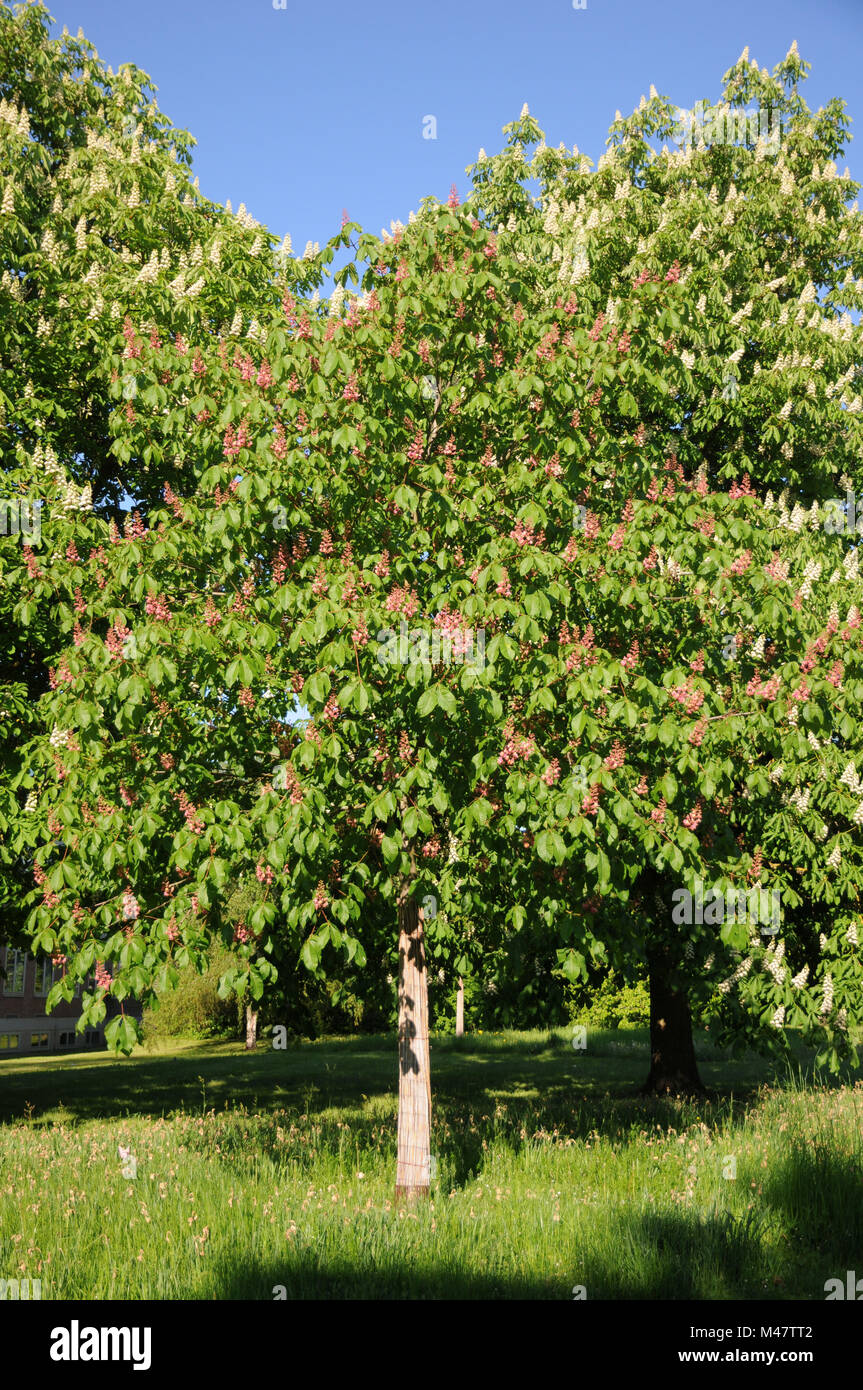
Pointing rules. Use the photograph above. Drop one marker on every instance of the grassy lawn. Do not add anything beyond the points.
(277, 1169)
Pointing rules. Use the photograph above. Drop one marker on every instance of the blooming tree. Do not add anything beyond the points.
(558, 647)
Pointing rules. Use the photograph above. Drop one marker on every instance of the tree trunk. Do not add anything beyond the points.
(251, 1028)
(673, 1068)
(414, 1131)
(459, 1009)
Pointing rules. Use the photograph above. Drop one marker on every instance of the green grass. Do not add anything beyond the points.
(277, 1169)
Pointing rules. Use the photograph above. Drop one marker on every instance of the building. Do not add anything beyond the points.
(25, 1028)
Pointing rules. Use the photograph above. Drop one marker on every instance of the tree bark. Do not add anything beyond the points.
(459, 1009)
(673, 1068)
(414, 1128)
(251, 1028)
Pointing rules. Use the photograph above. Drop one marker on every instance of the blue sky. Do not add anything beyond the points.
(300, 112)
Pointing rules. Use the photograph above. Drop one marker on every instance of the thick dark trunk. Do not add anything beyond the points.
(251, 1028)
(414, 1132)
(673, 1068)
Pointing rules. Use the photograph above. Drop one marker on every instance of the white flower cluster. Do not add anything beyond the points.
(827, 1001)
(835, 857)
(740, 973)
(149, 274)
(851, 935)
(774, 962)
(31, 803)
(800, 799)
(779, 1017)
(19, 120)
(800, 979)
(11, 285)
(811, 575)
(59, 738)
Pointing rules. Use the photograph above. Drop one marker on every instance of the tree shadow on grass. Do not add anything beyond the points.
(818, 1187)
(555, 1088)
(657, 1256)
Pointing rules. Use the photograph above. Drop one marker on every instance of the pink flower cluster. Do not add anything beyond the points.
(320, 900)
(132, 348)
(691, 700)
(453, 625)
(402, 600)
(292, 785)
(157, 607)
(616, 757)
(523, 533)
(692, 819)
(517, 747)
(103, 977)
(777, 569)
(552, 773)
(835, 674)
(131, 910)
(741, 564)
(235, 440)
(193, 820)
(415, 450)
(264, 873)
(590, 804)
(744, 489)
(115, 640)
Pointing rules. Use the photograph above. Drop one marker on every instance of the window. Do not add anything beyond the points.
(44, 977)
(38, 1039)
(67, 1039)
(16, 962)
(8, 1041)
(91, 1037)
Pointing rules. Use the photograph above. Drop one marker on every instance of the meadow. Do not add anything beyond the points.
(271, 1174)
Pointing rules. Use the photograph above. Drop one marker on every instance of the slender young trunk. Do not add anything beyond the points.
(251, 1028)
(459, 1009)
(673, 1068)
(414, 1131)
